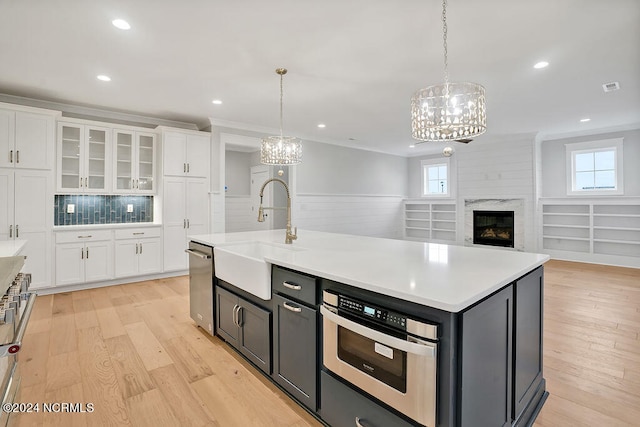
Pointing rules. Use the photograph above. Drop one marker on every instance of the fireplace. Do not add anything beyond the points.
(493, 228)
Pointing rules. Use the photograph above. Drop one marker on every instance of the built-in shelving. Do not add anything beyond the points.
(429, 221)
(607, 231)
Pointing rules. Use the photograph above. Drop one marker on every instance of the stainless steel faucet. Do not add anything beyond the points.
(290, 237)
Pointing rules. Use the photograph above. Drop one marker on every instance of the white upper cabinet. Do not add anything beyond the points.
(26, 139)
(186, 153)
(134, 162)
(83, 156)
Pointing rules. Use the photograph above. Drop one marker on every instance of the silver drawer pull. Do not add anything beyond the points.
(85, 237)
(292, 286)
(360, 422)
(137, 234)
(292, 308)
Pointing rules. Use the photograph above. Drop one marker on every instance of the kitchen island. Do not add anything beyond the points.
(484, 303)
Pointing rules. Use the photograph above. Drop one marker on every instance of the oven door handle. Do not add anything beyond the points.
(421, 348)
(14, 347)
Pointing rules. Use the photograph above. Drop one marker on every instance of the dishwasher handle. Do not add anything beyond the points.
(198, 254)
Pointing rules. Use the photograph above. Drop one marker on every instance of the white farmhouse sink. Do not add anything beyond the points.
(243, 265)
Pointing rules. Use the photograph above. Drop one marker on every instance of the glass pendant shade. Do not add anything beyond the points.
(448, 112)
(281, 150)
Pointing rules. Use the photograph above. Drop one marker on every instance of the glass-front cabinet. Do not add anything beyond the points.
(82, 158)
(134, 161)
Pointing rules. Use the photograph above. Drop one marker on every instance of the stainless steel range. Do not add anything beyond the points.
(16, 304)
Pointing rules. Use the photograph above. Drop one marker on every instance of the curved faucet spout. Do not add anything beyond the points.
(290, 237)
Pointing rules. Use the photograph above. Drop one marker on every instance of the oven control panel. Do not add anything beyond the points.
(378, 314)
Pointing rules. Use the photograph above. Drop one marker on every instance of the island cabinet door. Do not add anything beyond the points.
(255, 334)
(295, 349)
(227, 306)
(527, 340)
(486, 362)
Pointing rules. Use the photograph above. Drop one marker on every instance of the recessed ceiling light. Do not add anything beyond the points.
(216, 102)
(104, 78)
(322, 125)
(586, 119)
(541, 64)
(412, 146)
(121, 24)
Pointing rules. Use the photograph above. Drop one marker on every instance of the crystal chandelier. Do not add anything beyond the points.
(448, 111)
(281, 150)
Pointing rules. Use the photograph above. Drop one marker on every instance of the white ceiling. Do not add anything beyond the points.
(353, 64)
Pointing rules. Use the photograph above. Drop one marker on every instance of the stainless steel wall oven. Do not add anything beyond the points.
(387, 354)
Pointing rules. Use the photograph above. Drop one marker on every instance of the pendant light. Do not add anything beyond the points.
(448, 111)
(281, 150)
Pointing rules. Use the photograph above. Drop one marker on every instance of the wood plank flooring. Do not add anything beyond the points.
(133, 352)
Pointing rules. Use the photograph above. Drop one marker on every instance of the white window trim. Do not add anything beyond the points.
(450, 177)
(571, 149)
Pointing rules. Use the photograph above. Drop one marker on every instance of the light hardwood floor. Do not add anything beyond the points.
(134, 353)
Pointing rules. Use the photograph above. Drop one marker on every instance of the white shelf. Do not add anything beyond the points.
(600, 231)
(433, 215)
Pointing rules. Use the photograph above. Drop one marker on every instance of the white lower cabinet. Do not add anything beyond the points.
(138, 252)
(83, 256)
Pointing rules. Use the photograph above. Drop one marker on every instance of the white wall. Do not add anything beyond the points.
(350, 191)
(238, 173)
(554, 170)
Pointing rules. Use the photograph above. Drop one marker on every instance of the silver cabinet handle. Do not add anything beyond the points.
(235, 314)
(14, 347)
(82, 253)
(18, 156)
(87, 253)
(291, 307)
(138, 233)
(187, 167)
(292, 286)
(81, 180)
(198, 254)
(86, 182)
(136, 249)
(184, 223)
(10, 231)
(140, 248)
(17, 231)
(11, 156)
(84, 237)
(359, 422)
(239, 316)
(184, 168)
(188, 225)
(137, 183)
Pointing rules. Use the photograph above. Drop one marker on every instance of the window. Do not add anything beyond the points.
(594, 168)
(436, 178)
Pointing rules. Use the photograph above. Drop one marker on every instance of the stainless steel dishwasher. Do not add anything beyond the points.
(201, 285)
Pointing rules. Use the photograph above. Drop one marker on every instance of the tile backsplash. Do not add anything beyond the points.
(98, 209)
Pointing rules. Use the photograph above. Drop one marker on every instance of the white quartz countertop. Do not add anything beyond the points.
(114, 226)
(12, 247)
(447, 277)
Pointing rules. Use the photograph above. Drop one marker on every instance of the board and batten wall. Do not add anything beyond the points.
(334, 189)
(489, 169)
(352, 191)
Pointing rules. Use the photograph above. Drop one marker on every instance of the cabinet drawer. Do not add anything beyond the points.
(82, 236)
(342, 406)
(296, 285)
(137, 233)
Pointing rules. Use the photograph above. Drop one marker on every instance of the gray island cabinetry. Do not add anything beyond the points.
(476, 355)
(244, 324)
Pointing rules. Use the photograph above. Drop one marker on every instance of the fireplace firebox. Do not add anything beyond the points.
(493, 228)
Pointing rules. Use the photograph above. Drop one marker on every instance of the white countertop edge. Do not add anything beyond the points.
(453, 308)
(12, 247)
(105, 226)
